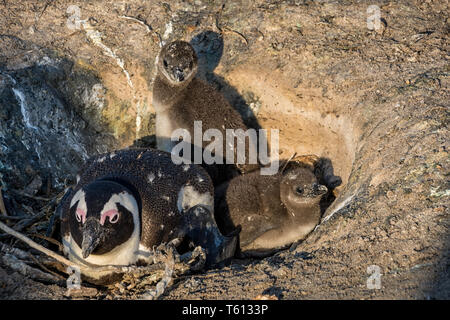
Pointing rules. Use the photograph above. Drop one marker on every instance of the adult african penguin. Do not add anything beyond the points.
(127, 201)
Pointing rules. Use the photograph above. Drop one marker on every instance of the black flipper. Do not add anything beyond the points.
(202, 230)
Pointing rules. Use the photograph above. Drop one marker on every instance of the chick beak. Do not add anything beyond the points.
(179, 74)
(320, 189)
(92, 234)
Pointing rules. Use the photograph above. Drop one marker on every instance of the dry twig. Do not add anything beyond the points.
(35, 245)
(147, 27)
(2, 204)
(225, 29)
(14, 217)
(166, 278)
(24, 194)
(48, 239)
(24, 269)
(4, 248)
(287, 162)
(87, 268)
(46, 269)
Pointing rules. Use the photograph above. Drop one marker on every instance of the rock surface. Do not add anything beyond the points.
(374, 101)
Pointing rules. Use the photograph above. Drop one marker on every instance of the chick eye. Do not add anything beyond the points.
(299, 190)
(165, 63)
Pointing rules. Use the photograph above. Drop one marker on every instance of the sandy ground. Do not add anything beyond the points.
(373, 101)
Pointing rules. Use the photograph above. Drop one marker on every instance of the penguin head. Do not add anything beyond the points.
(300, 190)
(103, 215)
(177, 63)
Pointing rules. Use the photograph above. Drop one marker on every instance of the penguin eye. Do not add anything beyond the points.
(80, 215)
(299, 190)
(113, 216)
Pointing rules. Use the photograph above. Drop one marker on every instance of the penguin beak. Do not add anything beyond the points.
(319, 189)
(179, 74)
(92, 234)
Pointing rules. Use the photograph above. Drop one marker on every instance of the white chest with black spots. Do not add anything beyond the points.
(188, 197)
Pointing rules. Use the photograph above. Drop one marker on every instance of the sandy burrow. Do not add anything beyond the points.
(375, 102)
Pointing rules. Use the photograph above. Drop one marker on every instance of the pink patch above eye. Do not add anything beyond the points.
(80, 214)
(113, 216)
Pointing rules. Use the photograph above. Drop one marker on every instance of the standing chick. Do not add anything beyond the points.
(180, 98)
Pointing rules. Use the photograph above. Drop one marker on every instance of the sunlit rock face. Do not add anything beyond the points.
(50, 122)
